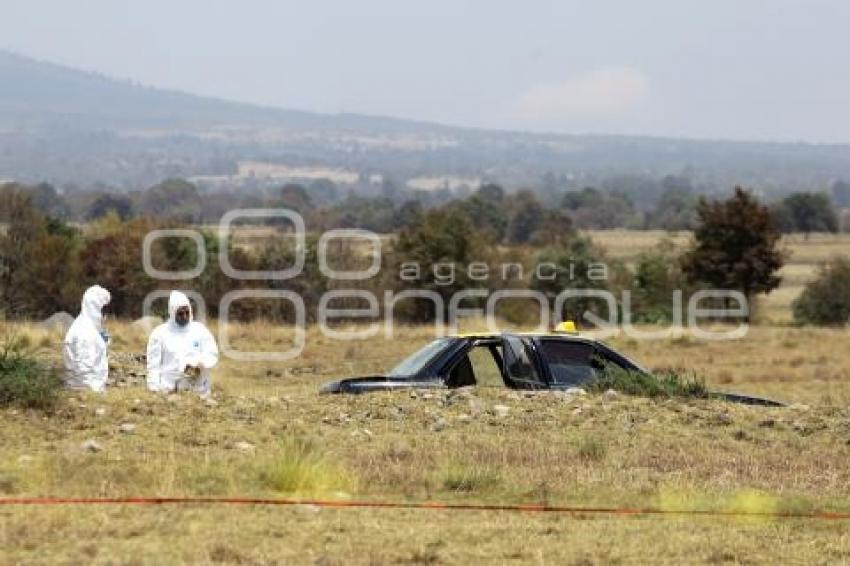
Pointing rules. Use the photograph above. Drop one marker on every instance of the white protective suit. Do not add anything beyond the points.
(84, 350)
(172, 347)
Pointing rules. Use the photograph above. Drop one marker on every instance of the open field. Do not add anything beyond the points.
(268, 434)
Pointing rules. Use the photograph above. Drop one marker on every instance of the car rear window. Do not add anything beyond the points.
(570, 363)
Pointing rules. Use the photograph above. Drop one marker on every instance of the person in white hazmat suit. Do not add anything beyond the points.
(84, 350)
(181, 352)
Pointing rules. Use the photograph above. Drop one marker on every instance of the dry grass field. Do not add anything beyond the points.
(267, 433)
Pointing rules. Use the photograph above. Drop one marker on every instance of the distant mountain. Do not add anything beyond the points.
(68, 126)
(38, 95)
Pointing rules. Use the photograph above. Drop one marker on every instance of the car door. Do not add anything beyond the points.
(521, 365)
(480, 364)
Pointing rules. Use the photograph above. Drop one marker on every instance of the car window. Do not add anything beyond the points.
(416, 362)
(519, 361)
(570, 363)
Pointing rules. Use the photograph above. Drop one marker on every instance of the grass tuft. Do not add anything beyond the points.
(469, 478)
(592, 449)
(299, 467)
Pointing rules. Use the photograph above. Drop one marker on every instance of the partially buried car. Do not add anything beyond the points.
(533, 361)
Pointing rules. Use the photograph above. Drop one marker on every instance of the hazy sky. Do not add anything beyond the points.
(741, 69)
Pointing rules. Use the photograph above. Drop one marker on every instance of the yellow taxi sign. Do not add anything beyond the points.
(568, 327)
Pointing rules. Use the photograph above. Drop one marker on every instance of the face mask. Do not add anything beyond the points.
(182, 320)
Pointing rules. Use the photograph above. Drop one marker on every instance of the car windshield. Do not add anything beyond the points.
(416, 361)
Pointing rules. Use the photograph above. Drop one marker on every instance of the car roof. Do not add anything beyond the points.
(494, 335)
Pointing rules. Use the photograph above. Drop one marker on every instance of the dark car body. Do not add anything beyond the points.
(519, 361)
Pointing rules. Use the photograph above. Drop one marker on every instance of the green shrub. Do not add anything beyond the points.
(826, 299)
(299, 467)
(647, 384)
(25, 381)
(657, 276)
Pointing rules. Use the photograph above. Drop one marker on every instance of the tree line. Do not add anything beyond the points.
(46, 262)
(669, 204)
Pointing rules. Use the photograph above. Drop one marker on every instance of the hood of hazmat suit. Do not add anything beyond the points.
(85, 350)
(171, 348)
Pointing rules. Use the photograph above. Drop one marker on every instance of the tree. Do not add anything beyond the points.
(592, 208)
(826, 299)
(676, 210)
(25, 225)
(736, 246)
(213, 283)
(409, 213)
(643, 189)
(486, 209)
(323, 191)
(580, 265)
(526, 217)
(588, 197)
(51, 275)
(112, 259)
(444, 237)
(377, 214)
(102, 205)
(658, 275)
(48, 201)
(174, 199)
(555, 229)
(37, 259)
(806, 213)
(310, 284)
(294, 197)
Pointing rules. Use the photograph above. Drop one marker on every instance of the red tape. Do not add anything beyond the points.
(530, 508)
